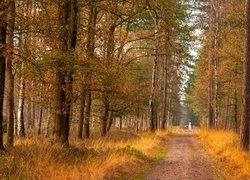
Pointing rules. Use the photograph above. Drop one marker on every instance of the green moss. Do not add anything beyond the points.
(152, 164)
(162, 155)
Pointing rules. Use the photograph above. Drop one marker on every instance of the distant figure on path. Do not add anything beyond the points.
(190, 125)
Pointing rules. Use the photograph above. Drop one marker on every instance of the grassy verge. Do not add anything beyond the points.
(121, 155)
(224, 149)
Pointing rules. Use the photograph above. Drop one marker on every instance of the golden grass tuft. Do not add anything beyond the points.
(120, 155)
(224, 148)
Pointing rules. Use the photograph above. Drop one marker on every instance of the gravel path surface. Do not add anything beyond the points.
(184, 161)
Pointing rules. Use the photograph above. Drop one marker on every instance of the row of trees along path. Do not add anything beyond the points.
(69, 65)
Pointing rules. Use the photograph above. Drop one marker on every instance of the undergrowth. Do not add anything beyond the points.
(224, 148)
(121, 155)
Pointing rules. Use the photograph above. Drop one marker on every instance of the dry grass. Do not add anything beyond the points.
(121, 155)
(231, 162)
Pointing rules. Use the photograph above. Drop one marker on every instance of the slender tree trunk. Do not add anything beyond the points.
(81, 117)
(109, 62)
(41, 111)
(211, 67)
(48, 120)
(226, 120)
(244, 133)
(20, 113)
(105, 115)
(40, 120)
(165, 91)
(90, 52)
(33, 115)
(152, 100)
(86, 128)
(29, 123)
(10, 76)
(236, 111)
(120, 124)
(111, 119)
(15, 119)
(3, 33)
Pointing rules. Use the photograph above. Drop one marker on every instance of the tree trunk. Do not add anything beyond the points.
(10, 76)
(40, 120)
(41, 111)
(29, 122)
(71, 13)
(20, 113)
(90, 52)
(165, 91)
(152, 100)
(211, 67)
(120, 124)
(2, 67)
(33, 115)
(226, 120)
(86, 128)
(111, 119)
(244, 133)
(62, 89)
(236, 111)
(105, 115)
(81, 117)
(48, 120)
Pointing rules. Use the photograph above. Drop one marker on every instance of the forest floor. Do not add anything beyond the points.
(119, 155)
(223, 147)
(184, 161)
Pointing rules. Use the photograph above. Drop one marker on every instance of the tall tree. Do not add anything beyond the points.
(211, 66)
(9, 74)
(90, 55)
(3, 32)
(68, 10)
(59, 130)
(244, 133)
(154, 82)
(165, 87)
(20, 113)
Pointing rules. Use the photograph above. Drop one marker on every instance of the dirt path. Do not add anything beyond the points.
(184, 161)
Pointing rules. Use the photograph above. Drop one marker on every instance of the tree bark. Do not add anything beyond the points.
(3, 33)
(10, 76)
(40, 120)
(244, 133)
(81, 117)
(211, 68)
(90, 53)
(105, 115)
(59, 131)
(48, 120)
(86, 128)
(152, 99)
(111, 119)
(236, 110)
(120, 124)
(33, 114)
(41, 111)
(20, 113)
(165, 91)
(72, 13)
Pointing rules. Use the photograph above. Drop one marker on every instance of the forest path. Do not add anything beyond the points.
(184, 161)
